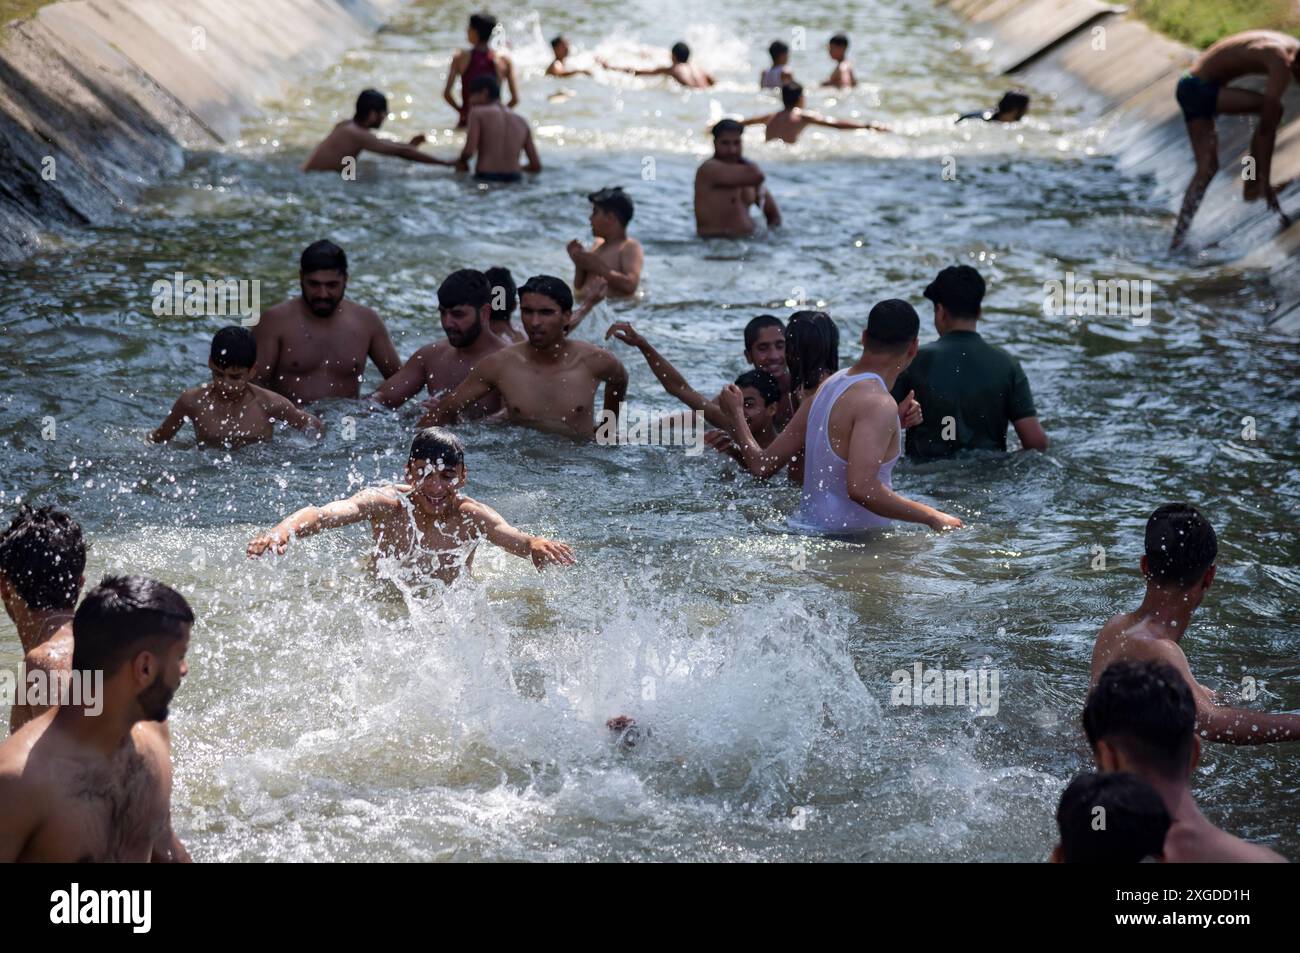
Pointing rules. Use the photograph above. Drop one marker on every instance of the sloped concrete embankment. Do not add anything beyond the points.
(99, 98)
(1112, 66)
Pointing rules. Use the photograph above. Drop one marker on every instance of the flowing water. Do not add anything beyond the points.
(330, 715)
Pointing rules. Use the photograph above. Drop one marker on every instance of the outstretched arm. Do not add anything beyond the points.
(671, 378)
(402, 386)
(1234, 726)
(311, 520)
(817, 120)
(474, 387)
(537, 548)
(402, 150)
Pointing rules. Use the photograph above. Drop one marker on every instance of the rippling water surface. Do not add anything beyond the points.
(333, 715)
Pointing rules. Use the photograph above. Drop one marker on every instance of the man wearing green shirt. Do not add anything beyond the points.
(968, 389)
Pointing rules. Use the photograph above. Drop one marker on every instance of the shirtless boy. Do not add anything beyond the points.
(1140, 718)
(613, 256)
(560, 47)
(787, 124)
(464, 307)
(549, 382)
(1203, 93)
(76, 787)
(1179, 566)
(726, 185)
(496, 136)
(42, 558)
(479, 60)
(842, 75)
(315, 346)
(230, 411)
(354, 136)
(425, 521)
(692, 77)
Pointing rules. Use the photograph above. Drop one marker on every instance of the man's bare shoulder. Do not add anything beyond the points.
(1188, 845)
(270, 400)
(278, 317)
(52, 655)
(16, 752)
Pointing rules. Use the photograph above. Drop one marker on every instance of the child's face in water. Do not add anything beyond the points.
(433, 484)
(758, 412)
(229, 382)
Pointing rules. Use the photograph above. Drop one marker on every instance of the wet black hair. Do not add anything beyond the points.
(1180, 546)
(1013, 100)
(960, 289)
(437, 444)
(777, 48)
(486, 84)
(370, 100)
(1111, 819)
(323, 256)
(42, 555)
(757, 324)
(727, 125)
(790, 94)
(466, 286)
(484, 24)
(763, 382)
(551, 287)
(1146, 709)
(892, 325)
(681, 52)
(233, 346)
(501, 278)
(812, 348)
(122, 613)
(839, 39)
(614, 200)
(557, 40)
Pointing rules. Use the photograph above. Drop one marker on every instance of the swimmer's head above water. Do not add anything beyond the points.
(1010, 108)
(765, 345)
(231, 360)
(372, 109)
(812, 348)
(1141, 717)
(464, 304)
(1136, 821)
(484, 91)
(792, 95)
(545, 307)
(957, 293)
(681, 52)
(892, 329)
(727, 134)
(480, 29)
(323, 276)
(435, 468)
(560, 47)
(611, 211)
(780, 53)
(762, 393)
(1181, 549)
(42, 558)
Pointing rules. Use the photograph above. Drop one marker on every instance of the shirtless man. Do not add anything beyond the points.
(787, 124)
(478, 61)
(1203, 93)
(315, 346)
(229, 410)
(613, 256)
(353, 136)
(727, 185)
(76, 787)
(842, 75)
(1140, 718)
(851, 432)
(1179, 567)
(464, 306)
(497, 136)
(560, 47)
(692, 77)
(42, 558)
(550, 382)
(425, 521)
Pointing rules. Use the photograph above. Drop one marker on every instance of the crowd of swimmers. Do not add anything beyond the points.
(77, 785)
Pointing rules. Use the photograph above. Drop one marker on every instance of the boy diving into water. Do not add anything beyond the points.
(426, 519)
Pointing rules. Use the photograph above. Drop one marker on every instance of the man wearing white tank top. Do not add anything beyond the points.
(852, 436)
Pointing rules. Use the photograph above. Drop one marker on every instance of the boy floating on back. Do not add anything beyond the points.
(231, 411)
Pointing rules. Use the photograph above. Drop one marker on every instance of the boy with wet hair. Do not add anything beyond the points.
(776, 75)
(1179, 566)
(42, 561)
(842, 75)
(791, 121)
(425, 521)
(351, 137)
(464, 309)
(1110, 819)
(232, 411)
(681, 70)
(560, 47)
(612, 256)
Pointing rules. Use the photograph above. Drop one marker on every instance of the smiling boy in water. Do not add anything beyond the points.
(426, 519)
(230, 410)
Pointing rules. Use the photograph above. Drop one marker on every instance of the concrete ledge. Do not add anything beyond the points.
(1023, 29)
(99, 98)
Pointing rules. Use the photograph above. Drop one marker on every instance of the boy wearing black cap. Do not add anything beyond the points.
(970, 389)
(613, 256)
